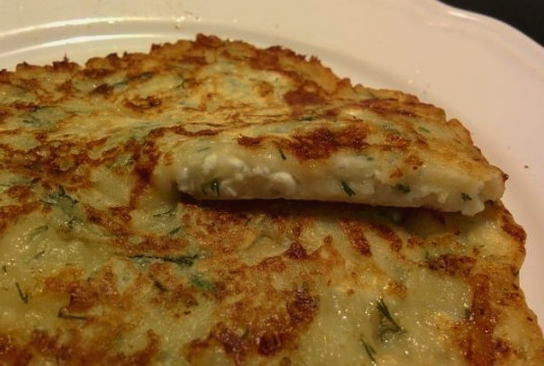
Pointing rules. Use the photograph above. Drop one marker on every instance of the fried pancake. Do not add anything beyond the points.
(256, 123)
(103, 261)
(112, 273)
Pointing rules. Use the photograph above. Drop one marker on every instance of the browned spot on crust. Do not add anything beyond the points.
(195, 60)
(264, 89)
(387, 234)
(397, 173)
(513, 229)
(11, 353)
(476, 339)
(355, 232)
(97, 73)
(103, 89)
(249, 141)
(321, 143)
(10, 213)
(296, 251)
(452, 264)
(301, 96)
(396, 141)
(72, 349)
(414, 162)
(66, 87)
(267, 337)
(20, 192)
(140, 104)
(208, 41)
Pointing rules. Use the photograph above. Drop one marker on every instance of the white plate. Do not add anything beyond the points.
(480, 70)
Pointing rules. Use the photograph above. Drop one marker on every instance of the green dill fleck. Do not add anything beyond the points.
(59, 197)
(214, 186)
(390, 128)
(403, 188)
(120, 83)
(123, 161)
(201, 283)
(5, 269)
(466, 197)
(159, 285)
(203, 149)
(388, 325)
(174, 231)
(182, 261)
(143, 76)
(306, 118)
(37, 231)
(22, 294)
(169, 212)
(370, 351)
(369, 158)
(283, 157)
(350, 192)
(33, 121)
(423, 129)
(64, 314)
(39, 254)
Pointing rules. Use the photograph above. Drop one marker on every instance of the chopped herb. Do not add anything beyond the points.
(370, 351)
(201, 283)
(203, 149)
(183, 261)
(390, 128)
(170, 212)
(369, 158)
(423, 129)
(39, 254)
(59, 197)
(388, 325)
(142, 76)
(33, 121)
(5, 269)
(64, 314)
(213, 186)
(306, 118)
(159, 285)
(174, 231)
(22, 294)
(403, 188)
(466, 197)
(72, 221)
(37, 231)
(283, 157)
(350, 192)
(123, 161)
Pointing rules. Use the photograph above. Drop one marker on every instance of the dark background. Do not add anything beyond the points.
(525, 15)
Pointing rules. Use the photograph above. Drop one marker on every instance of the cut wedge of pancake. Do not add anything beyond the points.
(257, 123)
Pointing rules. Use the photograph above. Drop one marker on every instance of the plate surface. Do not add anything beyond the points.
(479, 70)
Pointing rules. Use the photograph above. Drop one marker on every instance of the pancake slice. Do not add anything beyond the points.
(256, 123)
